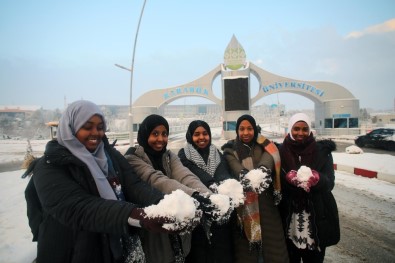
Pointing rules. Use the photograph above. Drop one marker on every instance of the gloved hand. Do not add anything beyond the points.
(265, 170)
(277, 195)
(213, 187)
(258, 180)
(192, 223)
(313, 180)
(244, 181)
(223, 207)
(153, 224)
(205, 205)
(267, 179)
(291, 177)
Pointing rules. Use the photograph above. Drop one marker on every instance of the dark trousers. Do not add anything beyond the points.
(296, 255)
(218, 250)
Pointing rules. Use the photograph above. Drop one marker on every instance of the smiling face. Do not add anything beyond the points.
(91, 133)
(246, 131)
(158, 138)
(300, 131)
(200, 137)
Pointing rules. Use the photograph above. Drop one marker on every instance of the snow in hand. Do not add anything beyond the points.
(224, 207)
(303, 175)
(259, 180)
(233, 189)
(178, 207)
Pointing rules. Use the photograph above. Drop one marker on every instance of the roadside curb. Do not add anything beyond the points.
(365, 173)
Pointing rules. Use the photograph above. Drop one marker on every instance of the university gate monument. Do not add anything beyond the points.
(336, 109)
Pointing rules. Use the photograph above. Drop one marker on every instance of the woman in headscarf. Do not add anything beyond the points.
(207, 162)
(308, 209)
(89, 195)
(258, 233)
(162, 168)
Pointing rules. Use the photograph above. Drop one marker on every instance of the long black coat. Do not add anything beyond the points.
(77, 223)
(320, 198)
(221, 247)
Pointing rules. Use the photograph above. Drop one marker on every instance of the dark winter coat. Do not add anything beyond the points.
(221, 247)
(222, 172)
(77, 224)
(320, 198)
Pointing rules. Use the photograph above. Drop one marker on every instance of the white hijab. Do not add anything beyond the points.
(74, 117)
(296, 118)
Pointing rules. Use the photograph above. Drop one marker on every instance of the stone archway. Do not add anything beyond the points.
(336, 109)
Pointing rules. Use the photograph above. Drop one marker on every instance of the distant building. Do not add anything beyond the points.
(22, 112)
(190, 110)
(382, 119)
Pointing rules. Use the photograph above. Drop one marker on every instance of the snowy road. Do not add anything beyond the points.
(367, 221)
(367, 227)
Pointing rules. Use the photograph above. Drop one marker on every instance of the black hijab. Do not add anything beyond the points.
(193, 126)
(251, 120)
(243, 149)
(146, 127)
(191, 130)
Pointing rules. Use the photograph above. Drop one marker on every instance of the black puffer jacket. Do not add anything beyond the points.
(320, 198)
(77, 224)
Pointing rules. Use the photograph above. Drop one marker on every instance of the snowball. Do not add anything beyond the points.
(233, 189)
(256, 177)
(303, 175)
(177, 206)
(258, 180)
(354, 150)
(222, 202)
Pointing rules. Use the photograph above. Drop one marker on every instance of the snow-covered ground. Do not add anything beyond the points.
(15, 235)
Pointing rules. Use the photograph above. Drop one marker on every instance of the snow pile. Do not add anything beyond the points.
(354, 150)
(180, 208)
(233, 189)
(258, 180)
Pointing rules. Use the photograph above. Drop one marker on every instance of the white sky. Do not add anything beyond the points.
(67, 49)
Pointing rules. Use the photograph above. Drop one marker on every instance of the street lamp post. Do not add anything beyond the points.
(131, 139)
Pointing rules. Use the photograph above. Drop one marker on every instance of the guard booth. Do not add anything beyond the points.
(53, 125)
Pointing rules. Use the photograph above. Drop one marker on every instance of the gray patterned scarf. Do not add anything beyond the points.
(212, 162)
